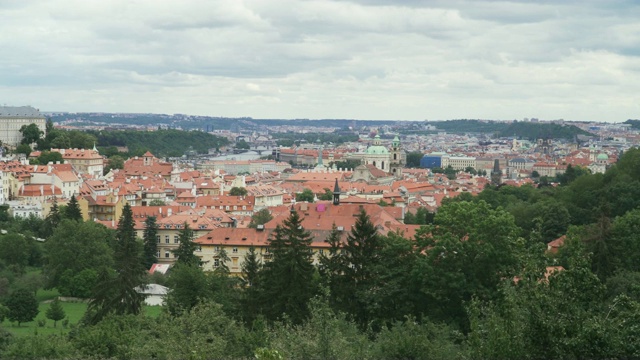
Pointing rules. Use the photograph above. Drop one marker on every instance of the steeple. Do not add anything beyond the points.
(496, 173)
(336, 194)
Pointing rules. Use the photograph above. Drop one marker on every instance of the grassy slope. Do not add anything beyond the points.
(73, 310)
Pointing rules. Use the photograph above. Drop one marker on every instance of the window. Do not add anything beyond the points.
(166, 254)
(234, 250)
(217, 248)
(158, 238)
(166, 239)
(216, 263)
(175, 239)
(158, 253)
(321, 251)
(244, 207)
(235, 207)
(199, 248)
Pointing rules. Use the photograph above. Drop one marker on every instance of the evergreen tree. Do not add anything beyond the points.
(287, 282)
(55, 312)
(186, 250)
(117, 294)
(73, 209)
(53, 219)
(354, 287)
(251, 268)
(150, 241)
(331, 263)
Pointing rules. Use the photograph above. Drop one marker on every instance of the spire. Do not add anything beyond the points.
(336, 193)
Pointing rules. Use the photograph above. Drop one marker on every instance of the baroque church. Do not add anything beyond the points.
(389, 161)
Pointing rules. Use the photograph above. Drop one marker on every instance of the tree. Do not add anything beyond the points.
(326, 195)
(14, 250)
(53, 219)
(55, 312)
(48, 157)
(4, 312)
(306, 195)
(186, 250)
(242, 145)
(188, 284)
(467, 252)
(150, 241)
(22, 305)
(30, 134)
(260, 217)
(75, 247)
(413, 159)
(157, 202)
(251, 268)
(23, 149)
(287, 282)
(238, 191)
(117, 294)
(357, 270)
(535, 174)
(73, 209)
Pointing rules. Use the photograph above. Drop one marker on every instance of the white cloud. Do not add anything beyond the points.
(320, 59)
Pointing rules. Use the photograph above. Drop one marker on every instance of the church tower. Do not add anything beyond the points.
(496, 173)
(336, 193)
(397, 158)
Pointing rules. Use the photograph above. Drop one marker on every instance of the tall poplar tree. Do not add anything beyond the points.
(117, 294)
(150, 241)
(287, 283)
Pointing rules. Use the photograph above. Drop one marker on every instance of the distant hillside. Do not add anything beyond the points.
(635, 123)
(468, 126)
(161, 142)
(532, 131)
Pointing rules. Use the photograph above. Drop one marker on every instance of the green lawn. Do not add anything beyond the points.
(73, 310)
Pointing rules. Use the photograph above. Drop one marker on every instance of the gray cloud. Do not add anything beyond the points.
(318, 59)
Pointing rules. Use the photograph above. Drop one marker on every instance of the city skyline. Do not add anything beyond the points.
(368, 59)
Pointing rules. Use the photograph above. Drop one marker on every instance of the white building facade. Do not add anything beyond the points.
(12, 118)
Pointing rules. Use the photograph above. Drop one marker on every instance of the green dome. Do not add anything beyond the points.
(602, 157)
(377, 149)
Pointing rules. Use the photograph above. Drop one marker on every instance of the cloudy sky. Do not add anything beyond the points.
(368, 59)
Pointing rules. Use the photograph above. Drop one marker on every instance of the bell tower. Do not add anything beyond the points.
(397, 158)
(336, 194)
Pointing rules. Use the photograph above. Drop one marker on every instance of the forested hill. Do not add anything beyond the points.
(161, 142)
(532, 131)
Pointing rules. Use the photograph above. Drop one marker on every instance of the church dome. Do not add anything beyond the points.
(376, 148)
(602, 157)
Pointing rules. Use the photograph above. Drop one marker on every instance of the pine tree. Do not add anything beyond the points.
(355, 288)
(117, 294)
(53, 219)
(55, 312)
(186, 250)
(251, 269)
(287, 283)
(73, 209)
(331, 264)
(150, 241)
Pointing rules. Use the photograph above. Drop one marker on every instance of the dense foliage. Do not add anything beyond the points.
(533, 131)
(337, 138)
(160, 142)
